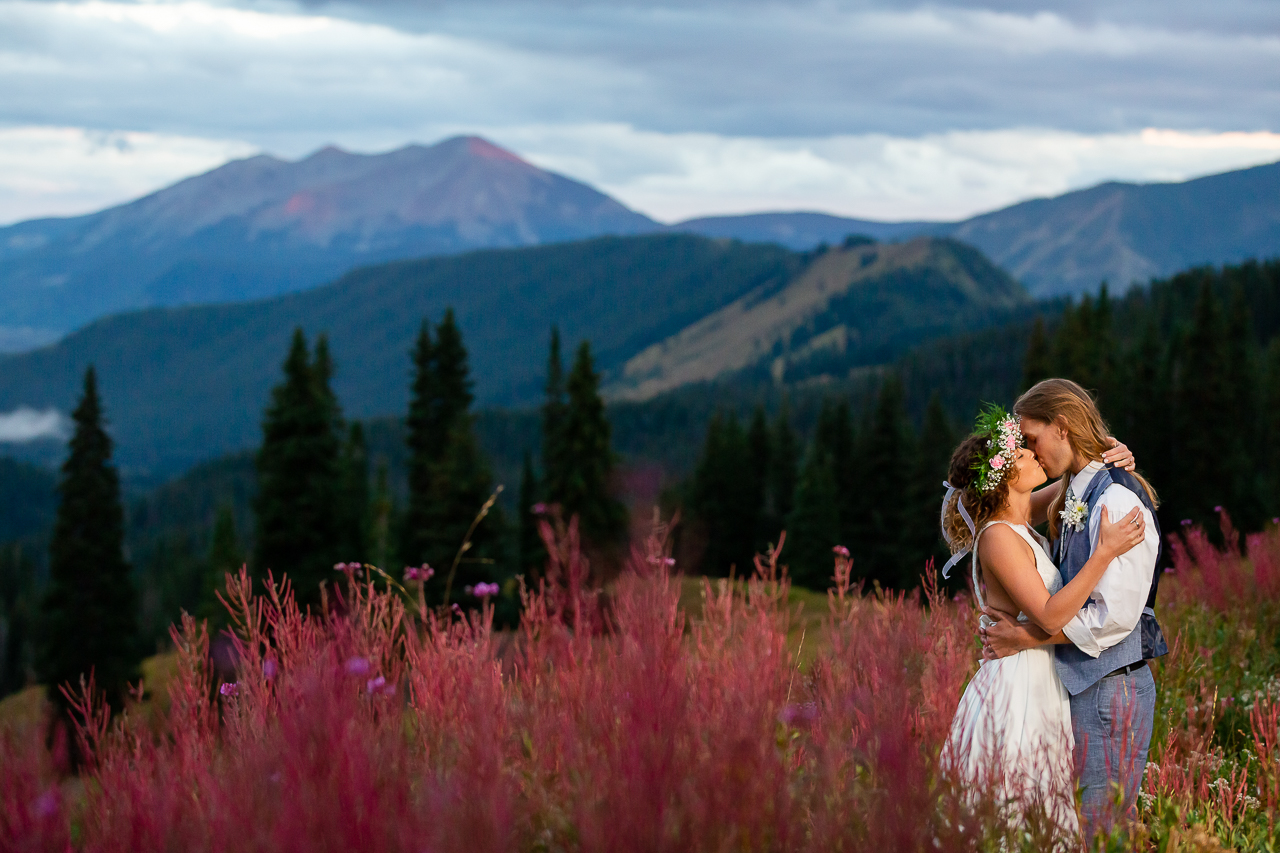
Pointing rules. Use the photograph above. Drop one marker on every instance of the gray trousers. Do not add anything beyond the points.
(1112, 722)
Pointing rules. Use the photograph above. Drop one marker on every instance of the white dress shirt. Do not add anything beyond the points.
(1116, 603)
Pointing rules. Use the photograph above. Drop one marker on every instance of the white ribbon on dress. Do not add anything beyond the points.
(964, 513)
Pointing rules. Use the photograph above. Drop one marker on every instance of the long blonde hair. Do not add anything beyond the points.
(1063, 403)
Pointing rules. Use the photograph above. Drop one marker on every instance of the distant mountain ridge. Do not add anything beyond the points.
(1122, 232)
(263, 226)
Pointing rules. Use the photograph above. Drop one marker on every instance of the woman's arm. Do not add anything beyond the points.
(1005, 556)
(1040, 501)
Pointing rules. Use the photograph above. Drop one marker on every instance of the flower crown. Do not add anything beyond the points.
(1004, 437)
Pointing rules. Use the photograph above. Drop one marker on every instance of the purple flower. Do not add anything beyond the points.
(374, 684)
(455, 608)
(798, 714)
(840, 550)
(268, 669)
(538, 508)
(1217, 509)
(230, 688)
(46, 805)
(418, 573)
(1186, 522)
(483, 590)
(357, 666)
(350, 569)
(1275, 521)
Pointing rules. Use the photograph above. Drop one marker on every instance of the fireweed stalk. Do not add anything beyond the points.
(612, 720)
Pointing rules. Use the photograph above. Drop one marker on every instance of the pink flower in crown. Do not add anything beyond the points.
(997, 462)
(1011, 443)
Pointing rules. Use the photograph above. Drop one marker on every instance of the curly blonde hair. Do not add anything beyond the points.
(981, 506)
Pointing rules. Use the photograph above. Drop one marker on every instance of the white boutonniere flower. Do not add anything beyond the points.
(1074, 513)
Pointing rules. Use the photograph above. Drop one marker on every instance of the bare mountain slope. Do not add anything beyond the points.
(871, 299)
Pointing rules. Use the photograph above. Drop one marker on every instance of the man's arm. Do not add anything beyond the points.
(1008, 636)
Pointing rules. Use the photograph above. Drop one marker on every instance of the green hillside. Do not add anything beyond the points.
(186, 384)
(182, 385)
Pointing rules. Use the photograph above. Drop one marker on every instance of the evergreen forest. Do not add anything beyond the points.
(1186, 370)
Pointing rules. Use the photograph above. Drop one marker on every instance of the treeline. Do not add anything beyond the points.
(1186, 370)
(314, 505)
(869, 483)
(1188, 374)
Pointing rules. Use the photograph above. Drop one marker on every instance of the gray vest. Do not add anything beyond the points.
(1077, 670)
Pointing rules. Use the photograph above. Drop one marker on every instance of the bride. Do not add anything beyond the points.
(1011, 735)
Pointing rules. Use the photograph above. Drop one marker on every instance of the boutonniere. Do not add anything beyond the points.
(1074, 513)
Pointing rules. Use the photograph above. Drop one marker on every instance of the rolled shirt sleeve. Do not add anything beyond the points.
(1116, 603)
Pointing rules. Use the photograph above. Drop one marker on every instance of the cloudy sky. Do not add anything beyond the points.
(677, 107)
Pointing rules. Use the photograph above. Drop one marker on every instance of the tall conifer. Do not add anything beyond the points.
(889, 449)
(224, 558)
(580, 479)
(556, 465)
(449, 478)
(813, 526)
(353, 497)
(1202, 401)
(783, 461)
(299, 474)
(88, 618)
(533, 554)
(1038, 363)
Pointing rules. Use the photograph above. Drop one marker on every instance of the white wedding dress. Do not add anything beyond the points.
(1011, 735)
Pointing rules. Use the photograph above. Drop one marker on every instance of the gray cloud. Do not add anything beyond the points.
(25, 424)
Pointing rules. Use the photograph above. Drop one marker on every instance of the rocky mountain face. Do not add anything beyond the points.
(263, 226)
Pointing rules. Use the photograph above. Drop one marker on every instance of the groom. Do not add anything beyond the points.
(1102, 653)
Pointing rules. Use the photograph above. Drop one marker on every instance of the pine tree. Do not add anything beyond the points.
(556, 465)
(813, 527)
(834, 436)
(580, 479)
(1037, 364)
(353, 501)
(759, 463)
(933, 455)
(425, 445)
(381, 519)
(725, 498)
(297, 528)
(224, 558)
(888, 454)
(1201, 402)
(533, 553)
(88, 618)
(1270, 424)
(783, 461)
(449, 478)
(1241, 384)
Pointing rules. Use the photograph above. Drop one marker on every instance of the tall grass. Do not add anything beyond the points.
(613, 721)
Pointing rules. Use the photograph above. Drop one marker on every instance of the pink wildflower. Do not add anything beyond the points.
(374, 684)
(230, 688)
(840, 550)
(418, 573)
(538, 508)
(483, 590)
(357, 666)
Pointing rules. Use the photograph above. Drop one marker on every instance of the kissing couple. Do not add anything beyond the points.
(1063, 694)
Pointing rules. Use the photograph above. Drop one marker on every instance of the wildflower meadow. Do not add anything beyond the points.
(649, 713)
